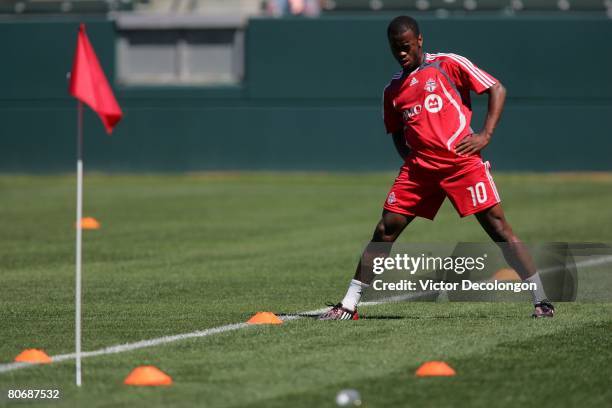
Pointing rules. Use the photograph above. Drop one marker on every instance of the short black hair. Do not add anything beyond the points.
(403, 23)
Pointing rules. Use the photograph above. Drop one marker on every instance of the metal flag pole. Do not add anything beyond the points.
(77, 316)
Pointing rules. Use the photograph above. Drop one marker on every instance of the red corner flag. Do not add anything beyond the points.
(89, 85)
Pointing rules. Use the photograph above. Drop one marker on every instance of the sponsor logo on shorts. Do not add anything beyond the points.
(433, 103)
(412, 111)
(430, 85)
(391, 199)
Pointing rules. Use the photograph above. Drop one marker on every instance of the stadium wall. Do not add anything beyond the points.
(310, 99)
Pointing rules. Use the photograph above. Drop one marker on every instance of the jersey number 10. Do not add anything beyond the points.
(479, 193)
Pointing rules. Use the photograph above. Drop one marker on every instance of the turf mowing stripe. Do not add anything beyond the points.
(120, 348)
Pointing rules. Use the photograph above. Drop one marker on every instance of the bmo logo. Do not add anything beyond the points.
(411, 112)
(433, 103)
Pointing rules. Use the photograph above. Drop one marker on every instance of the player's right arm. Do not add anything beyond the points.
(394, 124)
(400, 144)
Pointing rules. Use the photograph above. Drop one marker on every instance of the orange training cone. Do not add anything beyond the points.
(506, 274)
(147, 376)
(265, 318)
(33, 356)
(90, 223)
(435, 369)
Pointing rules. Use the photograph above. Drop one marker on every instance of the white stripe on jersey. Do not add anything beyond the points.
(477, 73)
(491, 182)
(462, 120)
(481, 76)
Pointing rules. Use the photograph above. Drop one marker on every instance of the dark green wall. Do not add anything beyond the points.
(311, 99)
(37, 56)
(335, 58)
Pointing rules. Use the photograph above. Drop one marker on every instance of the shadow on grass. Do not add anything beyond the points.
(368, 317)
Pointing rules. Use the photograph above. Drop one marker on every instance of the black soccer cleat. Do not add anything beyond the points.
(338, 312)
(543, 309)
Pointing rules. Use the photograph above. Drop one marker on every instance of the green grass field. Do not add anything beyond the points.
(178, 254)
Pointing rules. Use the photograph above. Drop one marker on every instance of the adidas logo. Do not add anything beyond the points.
(413, 81)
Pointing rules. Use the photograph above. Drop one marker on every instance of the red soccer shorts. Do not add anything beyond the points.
(422, 185)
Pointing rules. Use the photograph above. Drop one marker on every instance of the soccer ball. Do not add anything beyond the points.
(348, 398)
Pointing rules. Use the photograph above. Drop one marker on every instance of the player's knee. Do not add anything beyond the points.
(384, 233)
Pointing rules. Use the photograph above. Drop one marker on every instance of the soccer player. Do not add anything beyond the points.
(427, 110)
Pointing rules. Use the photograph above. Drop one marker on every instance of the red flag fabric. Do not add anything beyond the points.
(89, 84)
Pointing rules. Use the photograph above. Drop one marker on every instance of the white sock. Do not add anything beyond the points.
(353, 294)
(538, 294)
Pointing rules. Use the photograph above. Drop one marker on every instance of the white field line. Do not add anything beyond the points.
(602, 260)
(121, 348)
(401, 298)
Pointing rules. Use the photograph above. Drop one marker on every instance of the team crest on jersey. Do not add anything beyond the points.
(433, 103)
(413, 81)
(430, 85)
(391, 199)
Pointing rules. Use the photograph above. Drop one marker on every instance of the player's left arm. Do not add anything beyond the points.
(399, 141)
(477, 141)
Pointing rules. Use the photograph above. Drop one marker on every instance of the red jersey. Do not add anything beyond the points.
(432, 103)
